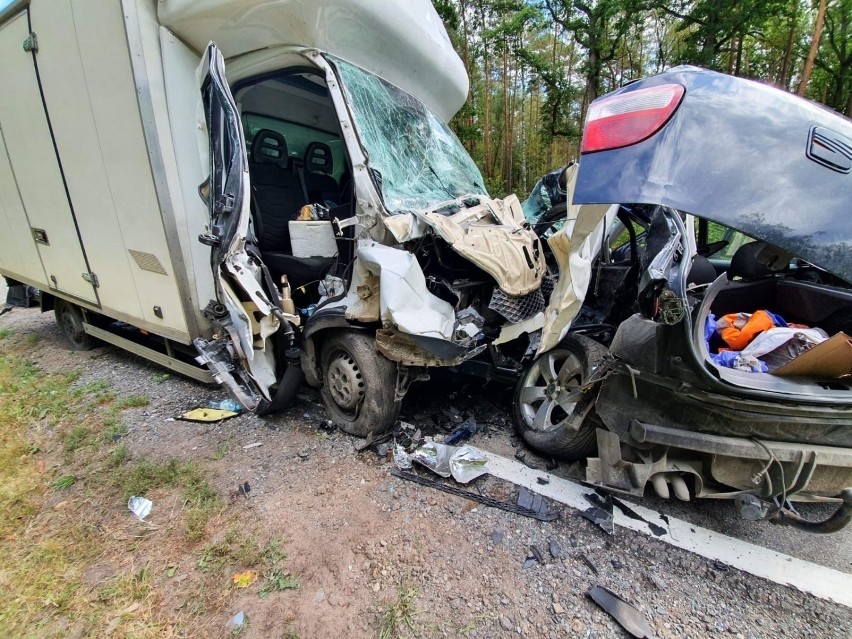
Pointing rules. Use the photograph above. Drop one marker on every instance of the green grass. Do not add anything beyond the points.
(161, 377)
(132, 401)
(5, 332)
(77, 437)
(277, 581)
(64, 482)
(398, 614)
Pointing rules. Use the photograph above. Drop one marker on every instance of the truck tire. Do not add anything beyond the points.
(70, 319)
(358, 384)
(545, 424)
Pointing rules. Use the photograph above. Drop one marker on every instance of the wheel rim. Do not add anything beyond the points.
(550, 391)
(345, 383)
(71, 327)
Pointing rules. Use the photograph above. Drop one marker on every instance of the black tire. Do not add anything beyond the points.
(540, 420)
(358, 384)
(70, 320)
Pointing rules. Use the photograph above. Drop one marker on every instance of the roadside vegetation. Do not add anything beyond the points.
(75, 560)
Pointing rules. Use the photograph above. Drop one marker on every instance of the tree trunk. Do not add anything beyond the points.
(809, 62)
(784, 80)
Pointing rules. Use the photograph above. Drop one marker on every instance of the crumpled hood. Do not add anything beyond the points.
(491, 234)
(746, 155)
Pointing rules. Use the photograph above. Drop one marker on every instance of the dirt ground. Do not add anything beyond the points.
(372, 555)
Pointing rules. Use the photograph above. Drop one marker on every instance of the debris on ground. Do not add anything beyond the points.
(236, 622)
(625, 614)
(554, 548)
(482, 499)
(463, 463)
(401, 458)
(589, 564)
(206, 415)
(252, 445)
(534, 502)
(140, 506)
(244, 489)
(462, 433)
(600, 512)
(228, 404)
(244, 578)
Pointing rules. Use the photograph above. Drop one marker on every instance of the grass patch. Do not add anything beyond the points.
(399, 613)
(132, 401)
(161, 377)
(5, 332)
(200, 499)
(77, 437)
(118, 456)
(64, 482)
(277, 581)
(31, 339)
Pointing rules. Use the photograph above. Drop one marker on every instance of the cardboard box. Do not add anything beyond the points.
(831, 358)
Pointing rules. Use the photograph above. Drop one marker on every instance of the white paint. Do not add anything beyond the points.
(822, 582)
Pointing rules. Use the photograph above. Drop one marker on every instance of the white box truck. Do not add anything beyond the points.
(305, 213)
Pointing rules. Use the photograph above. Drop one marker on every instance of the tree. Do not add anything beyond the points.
(809, 61)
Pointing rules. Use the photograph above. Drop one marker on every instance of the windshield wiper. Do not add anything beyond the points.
(443, 186)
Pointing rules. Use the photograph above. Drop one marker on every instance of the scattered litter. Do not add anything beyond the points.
(554, 548)
(140, 506)
(462, 433)
(244, 489)
(254, 445)
(656, 530)
(482, 499)
(529, 562)
(625, 614)
(720, 565)
(539, 556)
(453, 414)
(245, 578)
(532, 501)
(327, 425)
(464, 464)
(616, 564)
(496, 536)
(589, 564)
(205, 415)
(401, 458)
(600, 512)
(236, 622)
(542, 481)
(226, 405)
(382, 449)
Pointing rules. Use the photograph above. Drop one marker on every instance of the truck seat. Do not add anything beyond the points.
(277, 193)
(319, 165)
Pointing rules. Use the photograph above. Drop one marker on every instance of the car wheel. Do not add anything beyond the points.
(550, 400)
(70, 320)
(359, 384)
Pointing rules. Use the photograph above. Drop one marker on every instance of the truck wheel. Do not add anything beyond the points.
(70, 320)
(547, 402)
(358, 384)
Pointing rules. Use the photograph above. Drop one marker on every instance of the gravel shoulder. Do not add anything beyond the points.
(364, 543)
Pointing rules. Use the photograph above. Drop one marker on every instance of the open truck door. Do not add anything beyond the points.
(247, 310)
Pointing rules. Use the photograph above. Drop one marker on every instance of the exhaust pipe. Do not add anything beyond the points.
(841, 517)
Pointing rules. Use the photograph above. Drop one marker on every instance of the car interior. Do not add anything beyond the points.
(296, 158)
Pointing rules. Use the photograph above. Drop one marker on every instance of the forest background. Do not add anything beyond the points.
(534, 65)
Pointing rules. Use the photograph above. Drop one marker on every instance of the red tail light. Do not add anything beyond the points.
(622, 120)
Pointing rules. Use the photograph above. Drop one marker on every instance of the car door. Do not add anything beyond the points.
(247, 310)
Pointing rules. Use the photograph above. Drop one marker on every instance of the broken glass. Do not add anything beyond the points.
(421, 161)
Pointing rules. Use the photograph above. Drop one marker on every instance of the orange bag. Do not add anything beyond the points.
(738, 329)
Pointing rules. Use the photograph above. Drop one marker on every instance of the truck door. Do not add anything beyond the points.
(248, 310)
(28, 142)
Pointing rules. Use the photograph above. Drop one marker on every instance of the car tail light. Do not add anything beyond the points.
(622, 120)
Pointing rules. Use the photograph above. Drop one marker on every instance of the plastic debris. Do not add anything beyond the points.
(532, 501)
(140, 506)
(462, 433)
(244, 489)
(245, 578)
(207, 415)
(253, 445)
(464, 464)
(401, 458)
(236, 622)
(554, 548)
(600, 513)
(625, 614)
(589, 564)
(539, 556)
(226, 404)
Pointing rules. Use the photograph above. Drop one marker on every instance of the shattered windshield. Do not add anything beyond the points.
(420, 159)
